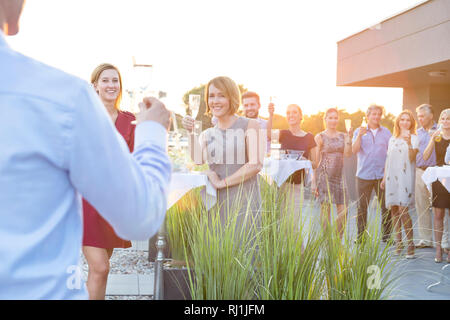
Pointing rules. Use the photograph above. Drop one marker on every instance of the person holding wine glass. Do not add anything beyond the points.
(251, 105)
(293, 139)
(99, 238)
(425, 117)
(399, 177)
(234, 151)
(67, 146)
(439, 142)
(332, 146)
(370, 144)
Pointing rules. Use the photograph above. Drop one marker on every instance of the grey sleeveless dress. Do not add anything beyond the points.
(226, 154)
(330, 183)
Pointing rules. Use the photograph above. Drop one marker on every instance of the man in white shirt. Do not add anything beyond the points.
(251, 106)
(58, 143)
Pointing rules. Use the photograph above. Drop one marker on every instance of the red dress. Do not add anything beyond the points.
(97, 231)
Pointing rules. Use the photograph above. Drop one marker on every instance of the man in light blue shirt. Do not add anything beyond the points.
(371, 144)
(58, 143)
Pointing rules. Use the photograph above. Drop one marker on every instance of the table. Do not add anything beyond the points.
(279, 170)
(181, 183)
(432, 174)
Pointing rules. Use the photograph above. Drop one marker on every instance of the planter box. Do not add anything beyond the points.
(176, 284)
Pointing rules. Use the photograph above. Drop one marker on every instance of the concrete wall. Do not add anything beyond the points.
(440, 96)
(436, 95)
(413, 39)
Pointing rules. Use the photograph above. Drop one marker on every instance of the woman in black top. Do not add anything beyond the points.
(440, 196)
(293, 139)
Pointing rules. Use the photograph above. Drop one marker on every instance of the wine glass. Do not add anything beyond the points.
(140, 84)
(194, 106)
(348, 124)
(364, 123)
(405, 134)
(438, 138)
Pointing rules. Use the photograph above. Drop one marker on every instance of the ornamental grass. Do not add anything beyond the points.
(282, 254)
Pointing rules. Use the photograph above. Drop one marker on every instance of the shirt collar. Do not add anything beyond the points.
(376, 130)
(433, 127)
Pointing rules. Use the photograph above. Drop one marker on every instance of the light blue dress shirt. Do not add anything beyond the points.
(372, 154)
(424, 139)
(57, 142)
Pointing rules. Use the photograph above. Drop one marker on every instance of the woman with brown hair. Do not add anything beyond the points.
(234, 151)
(399, 177)
(99, 238)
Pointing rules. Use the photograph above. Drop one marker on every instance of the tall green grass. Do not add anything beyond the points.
(180, 220)
(222, 255)
(357, 271)
(289, 251)
(282, 256)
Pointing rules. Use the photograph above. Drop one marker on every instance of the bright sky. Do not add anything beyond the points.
(281, 48)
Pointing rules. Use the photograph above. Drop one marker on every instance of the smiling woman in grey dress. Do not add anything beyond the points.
(233, 156)
(234, 150)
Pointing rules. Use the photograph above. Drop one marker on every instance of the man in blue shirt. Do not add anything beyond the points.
(371, 144)
(425, 117)
(58, 143)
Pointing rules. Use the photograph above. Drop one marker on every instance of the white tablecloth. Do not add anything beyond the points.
(181, 183)
(280, 170)
(432, 174)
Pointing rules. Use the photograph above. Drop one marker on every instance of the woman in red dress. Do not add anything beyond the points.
(99, 238)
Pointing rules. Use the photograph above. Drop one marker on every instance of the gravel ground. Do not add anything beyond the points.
(126, 261)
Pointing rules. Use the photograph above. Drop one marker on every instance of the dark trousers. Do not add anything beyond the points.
(364, 189)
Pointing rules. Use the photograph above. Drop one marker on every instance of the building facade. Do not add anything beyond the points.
(410, 50)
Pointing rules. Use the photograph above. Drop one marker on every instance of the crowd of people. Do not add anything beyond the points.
(389, 164)
(71, 138)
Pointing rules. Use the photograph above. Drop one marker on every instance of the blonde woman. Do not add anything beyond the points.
(99, 238)
(399, 177)
(332, 146)
(440, 196)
